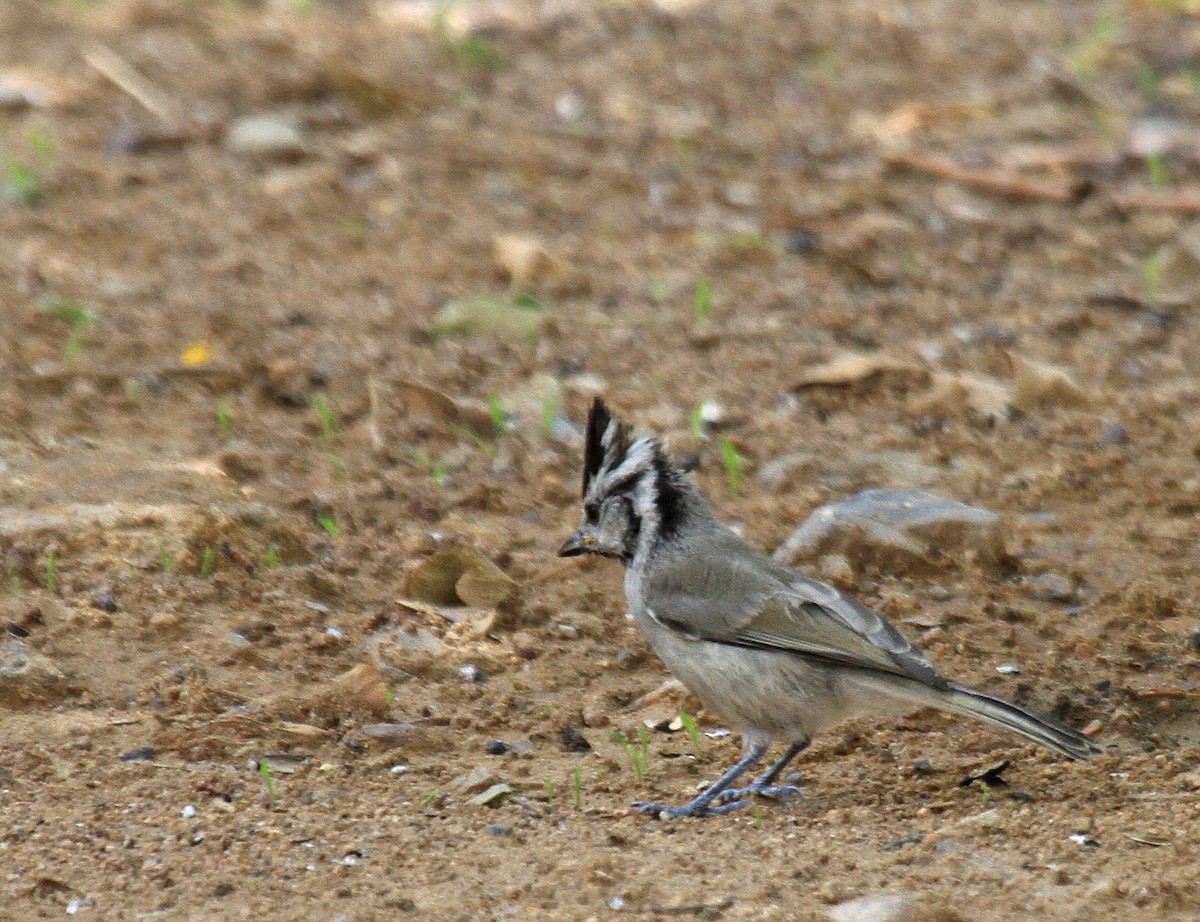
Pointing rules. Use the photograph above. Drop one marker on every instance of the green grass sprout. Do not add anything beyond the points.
(225, 419)
(578, 779)
(165, 560)
(24, 182)
(636, 759)
(696, 422)
(327, 415)
(264, 771)
(549, 415)
(79, 319)
(1152, 274)
(329, 523)
(693, 732)
(1159, 170)
(206, 561)
(702, 303)
(733, 464)
(52, 571)
(550, 792)
(496, 412)
(431, 797)
(470, 51)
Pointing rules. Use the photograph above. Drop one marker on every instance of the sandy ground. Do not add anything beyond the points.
(237, 424)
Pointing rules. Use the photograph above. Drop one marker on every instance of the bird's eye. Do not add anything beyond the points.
(592, 511)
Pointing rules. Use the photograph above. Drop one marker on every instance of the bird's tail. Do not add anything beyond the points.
(970, 702)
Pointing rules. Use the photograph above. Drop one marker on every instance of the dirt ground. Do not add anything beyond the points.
(257, 374)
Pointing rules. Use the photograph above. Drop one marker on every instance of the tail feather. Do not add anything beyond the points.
(970, 702)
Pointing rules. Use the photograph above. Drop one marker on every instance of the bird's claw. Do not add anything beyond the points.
(695, 808)
(777, 792)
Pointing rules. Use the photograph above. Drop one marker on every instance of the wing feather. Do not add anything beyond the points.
(743, 598)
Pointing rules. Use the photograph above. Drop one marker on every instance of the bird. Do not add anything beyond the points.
(778, 654)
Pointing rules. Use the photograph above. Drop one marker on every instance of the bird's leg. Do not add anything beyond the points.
(764, 785)
(702, 805)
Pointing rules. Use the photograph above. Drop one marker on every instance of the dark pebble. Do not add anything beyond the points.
(498, 748)
(105, 601)
(498, 829)
(138, 755)
(573, 740)
(800, 242)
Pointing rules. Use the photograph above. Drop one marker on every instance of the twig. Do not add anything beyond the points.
(373, 413)
(991, 181)
(1174, 201)
(125, 77)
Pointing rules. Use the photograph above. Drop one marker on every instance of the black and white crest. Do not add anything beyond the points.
(616, 463)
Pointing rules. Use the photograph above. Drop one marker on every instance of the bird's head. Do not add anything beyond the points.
(633, 497)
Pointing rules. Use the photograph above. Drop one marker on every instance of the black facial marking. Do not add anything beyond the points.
(668, 498)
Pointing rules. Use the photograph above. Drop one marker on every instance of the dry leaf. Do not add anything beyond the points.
(460, 576)
(361, 691)
(524, 259)
(853, 367)
(958, 393)
(1037, 383)
(429, 403)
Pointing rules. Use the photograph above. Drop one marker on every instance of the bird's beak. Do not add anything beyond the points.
(578, 543)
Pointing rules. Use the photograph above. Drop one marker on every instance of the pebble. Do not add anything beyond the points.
(266, 137)
(498, 829)
(878, 907)
(906, 530)
(1051, 587)
(472, 673)
(498, 748)
(525, 645)
(27, 675)
(474, 781)
(105, 601)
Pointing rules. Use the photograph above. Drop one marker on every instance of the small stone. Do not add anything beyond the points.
(1051, 587)
(499, 830)
(188, 812)
(573, 740)
(498, 748)
(493, 795)
(836, 569)
(138, 755)
(616, 904)
(390, 735)
(105, 601)
(801, 242)
(267, 137)
(885, 907)
(1113, 434)
(1008, 669)
(901, 530)
(26, 675)
(472, 673)
(478, 779)
(525, 645)
(987, 821)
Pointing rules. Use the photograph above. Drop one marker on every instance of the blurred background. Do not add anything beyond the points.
(301, 307)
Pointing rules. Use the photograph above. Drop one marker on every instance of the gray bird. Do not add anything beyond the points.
(778, 654)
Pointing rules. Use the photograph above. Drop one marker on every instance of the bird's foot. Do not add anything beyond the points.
(775, 791)
(698, 807)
